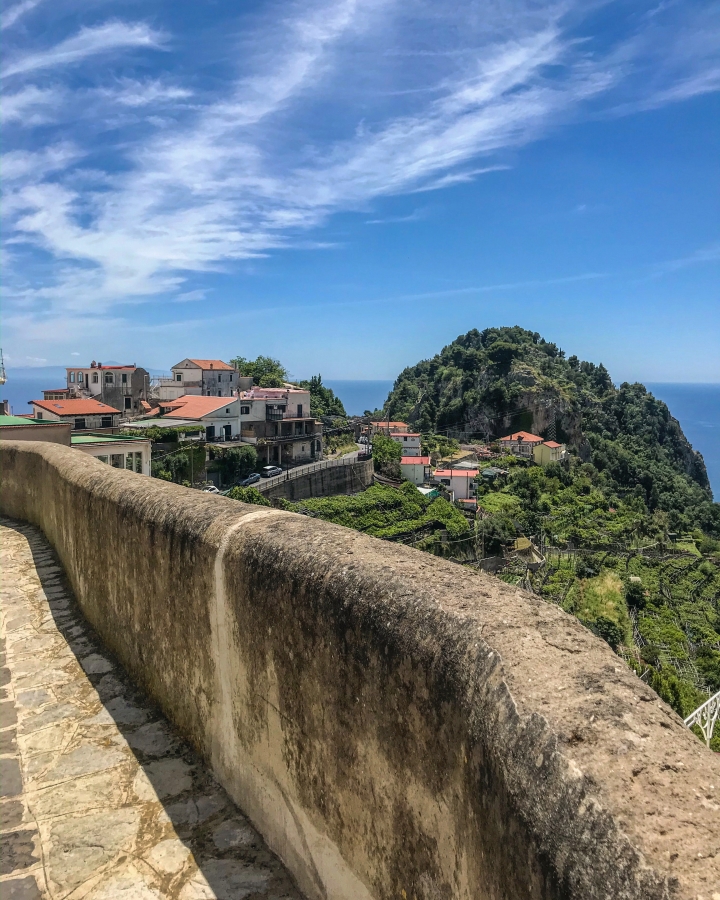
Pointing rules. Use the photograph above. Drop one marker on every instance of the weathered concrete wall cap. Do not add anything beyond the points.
(394, 725)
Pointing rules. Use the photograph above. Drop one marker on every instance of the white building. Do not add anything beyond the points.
(219, 415)
(278, 422)
(461, 482)
(415, 469)
(410, 443)
(119, 451)
(123, 387)
(81, 414)
(200, 377)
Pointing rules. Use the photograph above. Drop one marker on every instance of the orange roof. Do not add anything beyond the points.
(523, 436)
(74, 407)
(405, 434)
(390, 424)
(212, 364)
(456, 473)
(415, 461)
(192, 406)
(553, 444)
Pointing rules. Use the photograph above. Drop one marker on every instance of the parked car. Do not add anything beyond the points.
(269, 471)
(251, 479)
(210, 489)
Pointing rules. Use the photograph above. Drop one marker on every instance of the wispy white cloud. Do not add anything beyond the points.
(10, 16)
(87, 42)
(250, 167)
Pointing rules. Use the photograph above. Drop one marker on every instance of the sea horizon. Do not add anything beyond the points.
(696, 405)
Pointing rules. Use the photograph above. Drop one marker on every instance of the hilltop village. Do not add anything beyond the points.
(499, 454)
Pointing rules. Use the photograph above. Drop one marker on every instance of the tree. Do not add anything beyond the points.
(635, 595)
(248, 495)
(323, 401)
(387, 454)
(237, 462)
(264, 371)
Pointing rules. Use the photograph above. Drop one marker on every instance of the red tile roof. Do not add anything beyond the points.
(212, 364)
(390, 424)
(524, 436)
(456, 473)
(553, 444)
(193, 406)
(398, 434)
(415, 461)
(74, 407)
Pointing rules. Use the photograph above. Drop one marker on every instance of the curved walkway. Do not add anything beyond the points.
(100, 799)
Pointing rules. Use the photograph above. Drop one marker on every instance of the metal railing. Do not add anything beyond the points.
(308, 469)
(705, 717)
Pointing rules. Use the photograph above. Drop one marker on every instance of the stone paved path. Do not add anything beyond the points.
(99, 798)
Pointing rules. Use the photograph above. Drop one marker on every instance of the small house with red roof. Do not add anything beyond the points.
(120, 386)
(415, 469)
(549, 451)
(83, 414)
(521, 443)
(206, 377)
(461, 482)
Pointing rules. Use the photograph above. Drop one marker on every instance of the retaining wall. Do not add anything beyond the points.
(349, 478)
(396, 726)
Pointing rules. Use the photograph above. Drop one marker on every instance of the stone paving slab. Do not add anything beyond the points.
(99, 797)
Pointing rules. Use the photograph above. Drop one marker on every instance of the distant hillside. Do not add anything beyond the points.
(486, 384)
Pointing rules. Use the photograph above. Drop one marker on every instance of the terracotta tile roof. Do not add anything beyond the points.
(214, 364)
(524, 436)
(74, 407)
(553, 444)
(415, 461)
(456, 473)
(390, 424)
(193, 406)
(398, 434)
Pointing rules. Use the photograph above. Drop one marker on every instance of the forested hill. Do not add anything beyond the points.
(486, 384)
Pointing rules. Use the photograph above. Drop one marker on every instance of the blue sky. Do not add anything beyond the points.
(349, 185)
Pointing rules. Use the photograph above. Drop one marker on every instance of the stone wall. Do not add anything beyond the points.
(395, 726)
(350, 478)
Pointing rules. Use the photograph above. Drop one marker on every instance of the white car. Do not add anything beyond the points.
(210, 489)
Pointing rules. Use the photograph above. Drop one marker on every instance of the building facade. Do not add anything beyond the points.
(521, 444)
(415, 469)
(278, 422)
(409, 442)
(82, 414)
(461, 482)
(119, 451)
(219, 415)
(200, 377)
(123, 387)
(549, 451)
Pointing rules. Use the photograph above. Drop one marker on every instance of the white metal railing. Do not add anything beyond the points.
(705, 717)
(300, 471)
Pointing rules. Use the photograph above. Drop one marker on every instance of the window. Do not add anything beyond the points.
(79, 424)
(117, 460)
(219, 378)
(109, 378)
(123, 377)
(106, 421)
(80, 377)
(102, 458)
(95, 378)
(138, 463)
(38, 415)
(227, 409)
(244, 410)
(219, 393)
(129, 461)
(72, 378)
(178, 376)
(299, 410)
(405, 439)
(128, 401)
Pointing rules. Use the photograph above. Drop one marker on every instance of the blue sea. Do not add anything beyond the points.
(695, 406)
